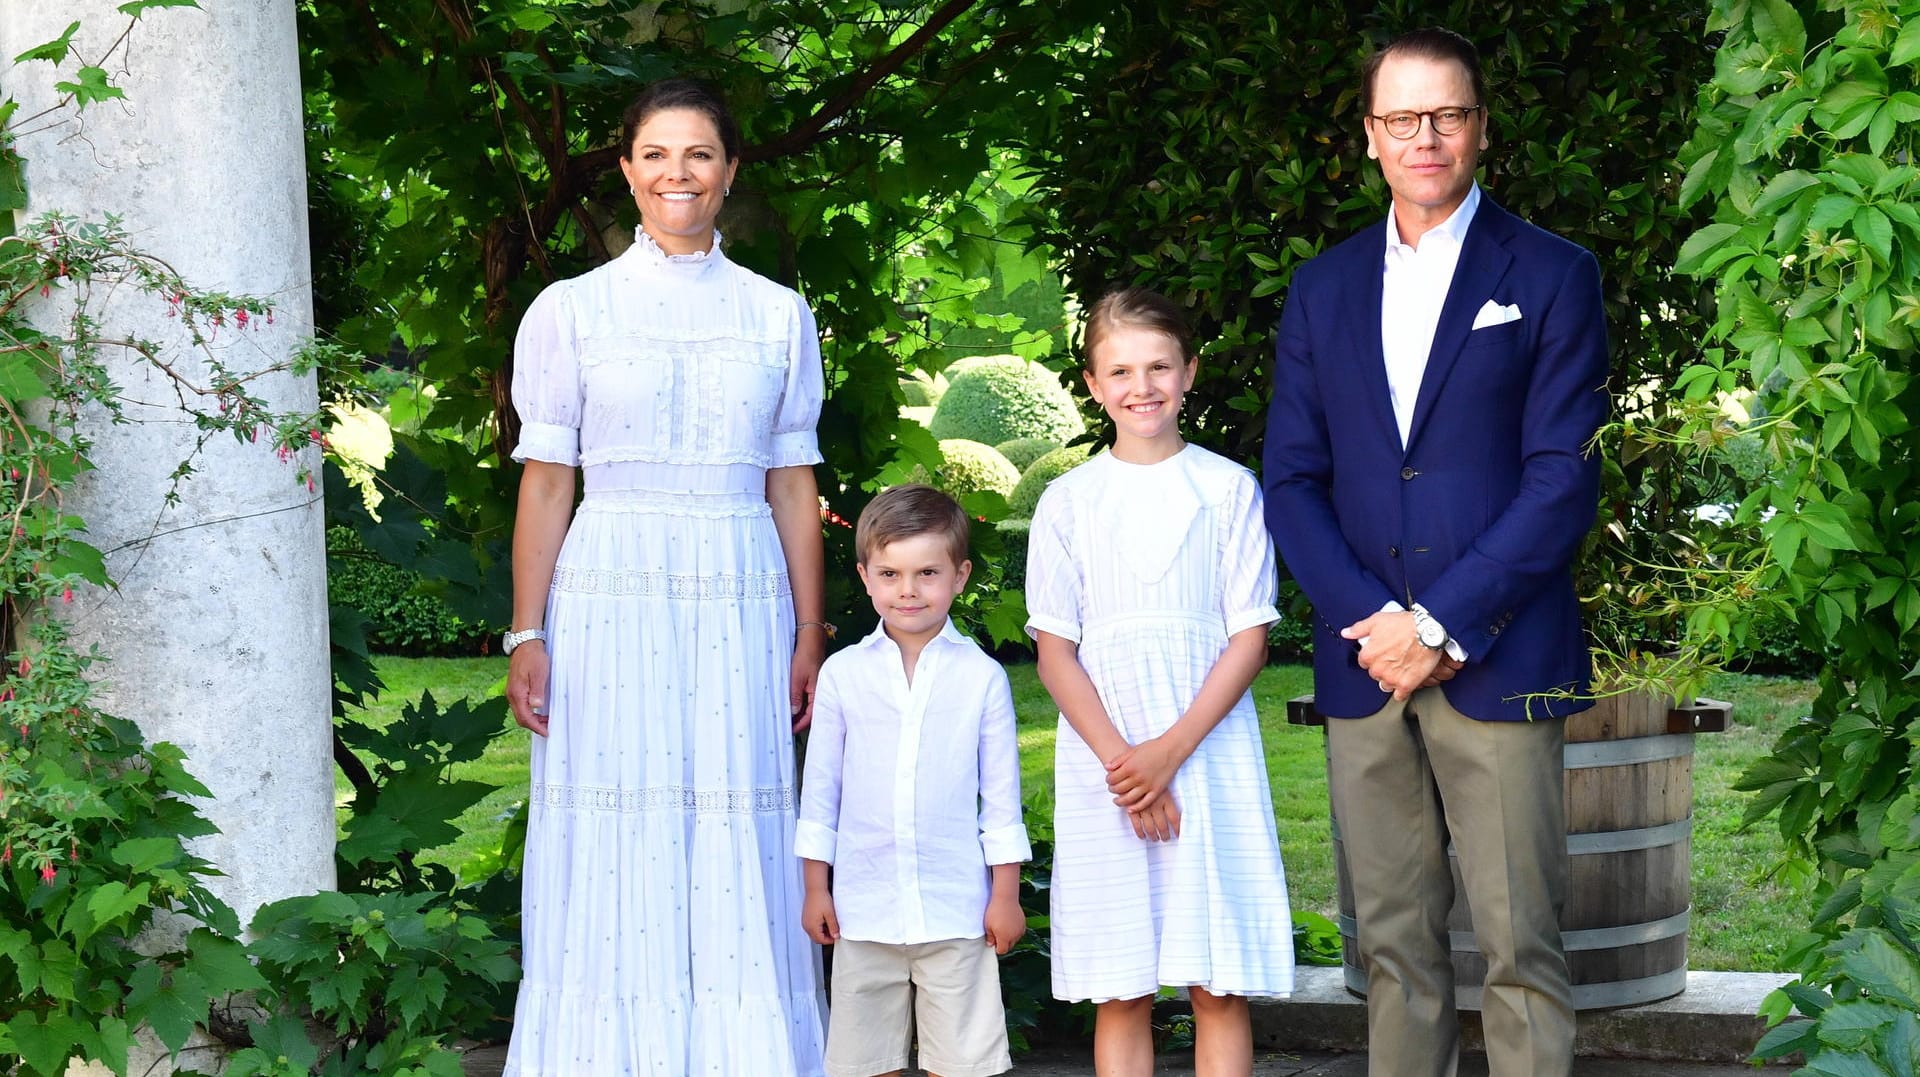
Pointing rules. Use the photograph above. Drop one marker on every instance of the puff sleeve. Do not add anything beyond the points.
(546, 381)
(1248, 585)
(1053, 577)
(794, 441)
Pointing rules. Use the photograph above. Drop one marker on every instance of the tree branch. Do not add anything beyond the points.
(808, 132)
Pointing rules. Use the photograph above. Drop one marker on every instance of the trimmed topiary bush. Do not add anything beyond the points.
(1041, 472)
(1013, 539)
(970, 467)
(1002, 398)
(1022, 452)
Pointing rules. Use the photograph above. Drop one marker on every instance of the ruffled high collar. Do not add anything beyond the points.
(649, 252)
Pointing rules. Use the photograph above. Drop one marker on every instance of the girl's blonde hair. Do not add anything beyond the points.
(1137, 308)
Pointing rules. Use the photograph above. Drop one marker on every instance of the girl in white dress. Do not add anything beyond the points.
(667, 634)
(1150, 585)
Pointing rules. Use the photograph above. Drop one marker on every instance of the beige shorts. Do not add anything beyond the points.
(950, 990)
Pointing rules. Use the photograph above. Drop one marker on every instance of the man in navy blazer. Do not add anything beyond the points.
(1429, 475)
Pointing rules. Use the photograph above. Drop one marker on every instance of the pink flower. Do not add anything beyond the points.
(66, 595)
(309, 484)
(6, 855)
(47, 873)
(240, 318)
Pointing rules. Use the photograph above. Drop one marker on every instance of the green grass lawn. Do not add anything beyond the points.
(1743, 915)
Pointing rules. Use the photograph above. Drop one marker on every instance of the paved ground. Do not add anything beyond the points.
(1049, 1063)
(1080, 1064)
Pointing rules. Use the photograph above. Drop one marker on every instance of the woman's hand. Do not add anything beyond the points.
(1161, 822)
(809, 650)
(1138, 776)
(527, 685)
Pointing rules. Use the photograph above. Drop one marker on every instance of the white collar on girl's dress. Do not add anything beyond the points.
(648, 250)
(1146, 510)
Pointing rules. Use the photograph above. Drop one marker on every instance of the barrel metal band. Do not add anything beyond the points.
(1584, 755)
(1595, 996)
(1588, 938)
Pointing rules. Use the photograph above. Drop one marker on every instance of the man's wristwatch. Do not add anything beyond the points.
(1427, 630)
(514, 639)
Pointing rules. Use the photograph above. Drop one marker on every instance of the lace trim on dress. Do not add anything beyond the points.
(699, 506)
(706, 343)
(664, 798)
(667, 454)
(605, 581)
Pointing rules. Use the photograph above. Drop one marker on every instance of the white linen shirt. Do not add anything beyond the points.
(912, 791)
(1413, 288)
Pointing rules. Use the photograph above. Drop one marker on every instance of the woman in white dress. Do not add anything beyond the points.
(1150, 585)
(666, 636)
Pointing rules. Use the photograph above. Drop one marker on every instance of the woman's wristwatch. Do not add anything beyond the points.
(526, 635)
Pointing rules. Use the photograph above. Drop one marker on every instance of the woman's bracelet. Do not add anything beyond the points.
(825, 626)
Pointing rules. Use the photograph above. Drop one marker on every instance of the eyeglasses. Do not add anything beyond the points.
(1446, 121)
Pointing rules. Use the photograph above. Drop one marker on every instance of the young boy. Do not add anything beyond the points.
(912, 798)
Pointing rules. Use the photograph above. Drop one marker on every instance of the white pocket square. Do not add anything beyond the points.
(1494, 314)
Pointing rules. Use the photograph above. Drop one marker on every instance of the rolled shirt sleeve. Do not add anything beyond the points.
(1249, 582)
(1003, 833)
(816, 834)
(1053, 579)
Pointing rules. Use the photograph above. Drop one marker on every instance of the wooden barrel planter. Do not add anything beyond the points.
(1629, 804)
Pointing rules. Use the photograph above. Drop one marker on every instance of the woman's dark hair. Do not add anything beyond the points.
(1136, 308)
(680, 93)
(1432, 43)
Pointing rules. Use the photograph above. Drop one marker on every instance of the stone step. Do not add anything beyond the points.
(1713, 1020)
(1706, 1031)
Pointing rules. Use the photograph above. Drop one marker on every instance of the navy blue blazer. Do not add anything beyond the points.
(1479, 517)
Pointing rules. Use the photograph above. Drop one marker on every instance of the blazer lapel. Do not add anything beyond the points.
(1363, 314)
(1484, 260)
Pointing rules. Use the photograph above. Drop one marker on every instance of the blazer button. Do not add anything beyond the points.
(1408, 473)
(1493, 630)
(1393, 551)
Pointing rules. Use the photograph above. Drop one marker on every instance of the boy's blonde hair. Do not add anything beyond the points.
(1137, 308)
(909, 510)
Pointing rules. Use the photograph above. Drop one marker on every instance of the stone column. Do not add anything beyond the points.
(217, 637)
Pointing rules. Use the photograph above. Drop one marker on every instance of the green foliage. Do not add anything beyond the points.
(1003, 398)
(1014, 534)
(1021, 452)
(1033, 483)
(398, 611)
(1804, 152)
(968, 467)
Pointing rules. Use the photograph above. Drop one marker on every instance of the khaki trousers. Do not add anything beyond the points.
(1403, 780)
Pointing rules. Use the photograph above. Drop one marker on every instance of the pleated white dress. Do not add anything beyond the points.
(661, 895)
(1150, 568)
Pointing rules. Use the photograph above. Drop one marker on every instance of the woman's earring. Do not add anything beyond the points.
(631, 189)
(726, 192)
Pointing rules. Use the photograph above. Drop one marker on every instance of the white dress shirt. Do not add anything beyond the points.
(912, 791)
(1413, 289)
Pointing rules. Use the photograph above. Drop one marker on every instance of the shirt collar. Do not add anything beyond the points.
(649, 251)
(1454, 228)
(876, 638)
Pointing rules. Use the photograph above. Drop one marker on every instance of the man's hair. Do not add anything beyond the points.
(1136, 308)
(905, 511)
(668, 94)
(1432, 43)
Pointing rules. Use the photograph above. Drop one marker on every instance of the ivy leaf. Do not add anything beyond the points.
(1876, 231)
(1793, 1037)
(53, 51)
(285, 1037)
(1883, 970)
(45, 1047)
(1906, 47)
(1778, 27)
(222, 964)
(1694, 253)
(112, 900)
(92, 88)
(13, 180)
(1783, 188)
(137, 8)
(79, 559)
(141, 855)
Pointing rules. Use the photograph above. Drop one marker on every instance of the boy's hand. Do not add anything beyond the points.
(1160, 822)
(817, 917)
(1139, 776)
(1006, 922)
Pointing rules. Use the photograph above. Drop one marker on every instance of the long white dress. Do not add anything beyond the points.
(1150, 568)
(661, 896)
